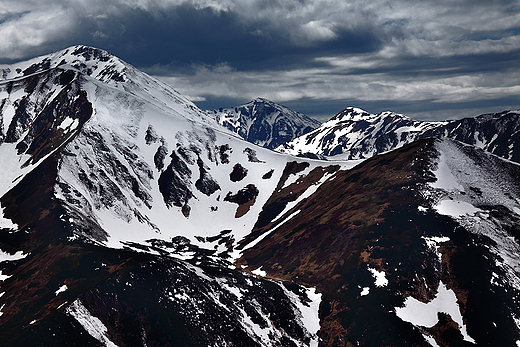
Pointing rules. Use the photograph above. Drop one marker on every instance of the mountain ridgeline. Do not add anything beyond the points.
(356, 134)
(130, 217)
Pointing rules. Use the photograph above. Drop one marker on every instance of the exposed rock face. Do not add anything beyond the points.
(175, 182)
(264, 123)
(238, 173)
(205, 184)
(245, 198)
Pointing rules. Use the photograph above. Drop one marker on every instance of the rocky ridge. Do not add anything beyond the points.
(264, 122)
(356, 134)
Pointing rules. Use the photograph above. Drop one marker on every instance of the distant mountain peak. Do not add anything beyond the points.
(354, 114)
(264, 122)
(354, 133)
(261, 100)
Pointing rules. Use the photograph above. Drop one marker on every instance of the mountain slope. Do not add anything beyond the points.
(99, 154)
(129, 217)
(397, 230)
(356, 134)
(263, 122)
(128, 160)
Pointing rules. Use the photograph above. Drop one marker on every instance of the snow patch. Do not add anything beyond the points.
(365, 291)
(308, 311)
(455, 208)
(265, 234)
(91, 324)
(430, 340)
(293, 177)
(12, 171)
(6, 223)
(445, 178)
(69, 123)
(379, 276)
(425, 314)
(233, 290)
(259, 272)
(3, 277)
(61, 289)
(254, 330)
(517, 321)
(314, 306)
(12, 257)
(307, 193)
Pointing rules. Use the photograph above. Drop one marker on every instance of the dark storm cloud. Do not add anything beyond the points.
(185, 36)
(182, 35)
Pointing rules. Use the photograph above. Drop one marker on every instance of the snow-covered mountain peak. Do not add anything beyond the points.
(351, 113)
(104, 67)
(264, 122)
(261, 100)
(91, 61)
(356, 134)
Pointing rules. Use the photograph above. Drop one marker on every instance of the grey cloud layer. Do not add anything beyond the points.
(422, 57)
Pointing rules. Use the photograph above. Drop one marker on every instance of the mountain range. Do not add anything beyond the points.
(130, 217)
(356, 134)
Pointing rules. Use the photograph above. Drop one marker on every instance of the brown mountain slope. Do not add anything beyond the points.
(333, 233)
(335, 222)
(367, 220)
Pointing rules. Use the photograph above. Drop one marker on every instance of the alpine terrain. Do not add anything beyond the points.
(129, 217)
(264, 123)
(356, 134)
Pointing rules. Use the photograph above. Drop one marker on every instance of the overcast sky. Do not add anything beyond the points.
(431, 60)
